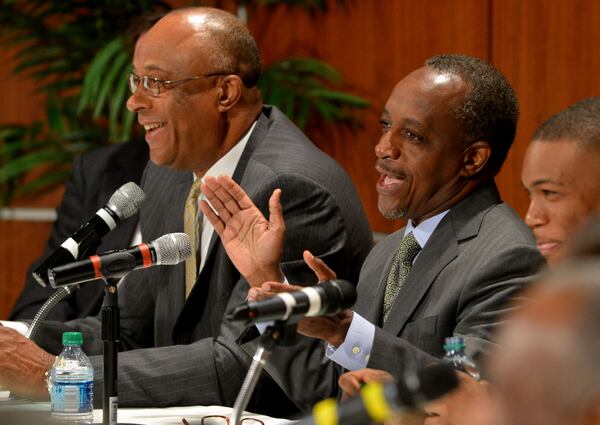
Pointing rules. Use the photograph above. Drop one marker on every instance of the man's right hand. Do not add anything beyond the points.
(23, 365)
(351, 382)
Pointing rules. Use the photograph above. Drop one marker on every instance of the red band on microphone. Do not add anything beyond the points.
(96, 263)
(146, 255)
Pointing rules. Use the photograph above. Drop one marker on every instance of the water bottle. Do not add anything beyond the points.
(71, 382)
(456, 356)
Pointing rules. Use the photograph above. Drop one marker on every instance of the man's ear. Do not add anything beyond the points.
(475, 156)
(231, 89)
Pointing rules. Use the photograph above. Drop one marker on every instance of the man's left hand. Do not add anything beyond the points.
(23, 365)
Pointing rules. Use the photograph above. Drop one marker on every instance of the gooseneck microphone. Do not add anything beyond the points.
(328, 297)
(378, 402)
(124, 203)
(169, 249)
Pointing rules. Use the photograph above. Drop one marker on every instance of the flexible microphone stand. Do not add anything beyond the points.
(58, 295)
(280, 333)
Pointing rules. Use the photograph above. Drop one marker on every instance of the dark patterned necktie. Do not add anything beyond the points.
(401, 265)
(192, 225)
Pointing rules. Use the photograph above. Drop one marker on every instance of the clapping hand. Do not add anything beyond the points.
(253, 243)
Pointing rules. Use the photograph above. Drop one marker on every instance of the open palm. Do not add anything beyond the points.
(253, 243)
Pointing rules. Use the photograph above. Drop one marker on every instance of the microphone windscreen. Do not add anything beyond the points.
(347, 292)
(126, 201)
(172, 248)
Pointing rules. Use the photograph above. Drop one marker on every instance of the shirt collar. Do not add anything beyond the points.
(228, 163)
(423, 231)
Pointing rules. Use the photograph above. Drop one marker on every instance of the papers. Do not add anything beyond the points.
(173, 415)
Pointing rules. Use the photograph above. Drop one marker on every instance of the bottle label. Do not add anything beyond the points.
(72, 397)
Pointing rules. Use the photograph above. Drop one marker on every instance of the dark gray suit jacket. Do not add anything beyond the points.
(94, 178)
(476, 261)
(194, 359)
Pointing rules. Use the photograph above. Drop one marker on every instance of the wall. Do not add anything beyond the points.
(546, 48)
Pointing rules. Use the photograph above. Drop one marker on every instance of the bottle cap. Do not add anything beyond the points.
(454, 343)
(72, 338)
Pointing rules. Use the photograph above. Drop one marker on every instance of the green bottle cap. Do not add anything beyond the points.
(72, 338)
(454, 343)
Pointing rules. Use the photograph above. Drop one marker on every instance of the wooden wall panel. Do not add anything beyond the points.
(21, 243)
(547, 49)
(374, 44)
(20, 102)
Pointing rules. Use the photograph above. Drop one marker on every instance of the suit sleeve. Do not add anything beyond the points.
(484, 300)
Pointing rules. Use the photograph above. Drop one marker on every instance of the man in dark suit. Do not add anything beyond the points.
(194, 90)
(95, 176)
(447, 128)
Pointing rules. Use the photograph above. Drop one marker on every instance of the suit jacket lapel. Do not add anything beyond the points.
(462, 222)
(172, 189)
(439, 251)
(204, 277)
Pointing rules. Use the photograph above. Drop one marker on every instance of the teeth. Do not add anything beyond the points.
(390, 180)
(149, 127)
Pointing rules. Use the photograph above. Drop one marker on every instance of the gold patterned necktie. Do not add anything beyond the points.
(192, 226)
(401, 265)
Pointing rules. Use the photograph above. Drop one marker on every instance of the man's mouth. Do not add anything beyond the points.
(151, 127)
(547, 246)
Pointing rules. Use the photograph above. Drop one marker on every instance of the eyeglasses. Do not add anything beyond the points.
(153, 85)
(223, 420)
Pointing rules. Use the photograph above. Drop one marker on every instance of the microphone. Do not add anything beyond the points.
(124, 203)
(378, 402)
(328, 297)
(169, 249)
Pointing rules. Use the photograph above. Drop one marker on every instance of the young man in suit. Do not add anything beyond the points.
(194, 91)
(446, 130)
(561, 174)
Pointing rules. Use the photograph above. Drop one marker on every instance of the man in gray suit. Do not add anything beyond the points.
(447, 128)
(194, 90)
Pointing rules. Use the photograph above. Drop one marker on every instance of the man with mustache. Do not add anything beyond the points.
(446, 130)
(561, 174)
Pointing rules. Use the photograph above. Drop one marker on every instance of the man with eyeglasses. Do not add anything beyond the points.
(194, 90)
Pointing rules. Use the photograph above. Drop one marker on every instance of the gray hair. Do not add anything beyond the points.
(235, 49)
(490, 109)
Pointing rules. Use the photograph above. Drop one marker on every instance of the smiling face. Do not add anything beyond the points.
(184, 129)
(562, 179)
(420, 153)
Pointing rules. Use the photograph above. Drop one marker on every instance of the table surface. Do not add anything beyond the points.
(144, 416)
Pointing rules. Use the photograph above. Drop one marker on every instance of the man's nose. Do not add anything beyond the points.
(385, 149)
(536, 215)
(138, 100)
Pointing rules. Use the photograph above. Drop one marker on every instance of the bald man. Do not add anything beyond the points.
(194, 91)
